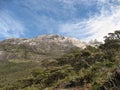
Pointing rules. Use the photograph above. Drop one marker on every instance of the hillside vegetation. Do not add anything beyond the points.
(91, 68)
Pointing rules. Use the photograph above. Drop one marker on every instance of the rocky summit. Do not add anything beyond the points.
(49, 39)
(50, 45)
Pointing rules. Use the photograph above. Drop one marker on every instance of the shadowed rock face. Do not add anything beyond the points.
(51, 45)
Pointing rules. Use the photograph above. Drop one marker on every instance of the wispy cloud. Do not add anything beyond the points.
(53, 9)
(95, 27)
(45, 16)
(83, 19)
(9, 26)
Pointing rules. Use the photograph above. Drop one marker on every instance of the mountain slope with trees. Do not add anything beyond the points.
(91, 68)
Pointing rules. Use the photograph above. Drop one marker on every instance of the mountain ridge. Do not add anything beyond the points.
(50, 45)
(49, 38)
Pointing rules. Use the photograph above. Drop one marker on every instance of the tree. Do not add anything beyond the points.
(112, 41)
(113, 36)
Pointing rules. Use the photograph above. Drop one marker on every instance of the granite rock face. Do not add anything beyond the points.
(50, 45)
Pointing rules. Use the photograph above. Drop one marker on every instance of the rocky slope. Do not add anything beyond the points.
(35, 48)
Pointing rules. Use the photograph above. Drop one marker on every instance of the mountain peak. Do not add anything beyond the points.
(49, 39)
(62, 40)
(51, 44)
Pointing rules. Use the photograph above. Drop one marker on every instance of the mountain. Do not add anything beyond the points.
(38, 47)
(20, 56)
(53, 62)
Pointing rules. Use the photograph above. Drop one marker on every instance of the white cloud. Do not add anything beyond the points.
(9, 26)
(95, 27)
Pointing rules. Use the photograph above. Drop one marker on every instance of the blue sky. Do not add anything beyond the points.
(82, 19)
